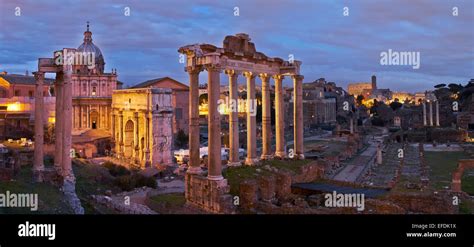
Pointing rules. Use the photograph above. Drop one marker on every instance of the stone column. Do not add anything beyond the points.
(431, 113)
(266, 117)
(251, 120)
(194, 135)
(113, 127)
(233, 119)
(38, 165)
(58, 123)
(279, 117)
(298, 115)
(214, 123)
(437, 113)
(379, 154)
(120, 150)
(137, 139)
(79, 108)
(424, 113)
(67, 125)
(147, 140)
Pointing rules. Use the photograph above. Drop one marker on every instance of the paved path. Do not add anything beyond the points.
(358, 164)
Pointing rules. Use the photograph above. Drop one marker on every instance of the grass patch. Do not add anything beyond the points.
(467, 182)
(466, 207)
(50, 199)
(235, 175)
(442, 164)
(166, 203)
(333, 147)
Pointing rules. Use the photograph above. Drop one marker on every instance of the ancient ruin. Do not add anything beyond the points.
(141, 126)
(237, 56)
(457, 174)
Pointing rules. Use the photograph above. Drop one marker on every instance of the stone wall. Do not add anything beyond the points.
(440, 203)
(275, 188)
(209, 195)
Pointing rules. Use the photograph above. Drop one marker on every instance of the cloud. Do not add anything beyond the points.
(340, 48)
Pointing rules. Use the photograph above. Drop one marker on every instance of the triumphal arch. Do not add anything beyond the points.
(238, 56)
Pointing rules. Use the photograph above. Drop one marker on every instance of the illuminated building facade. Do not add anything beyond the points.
(17, 105)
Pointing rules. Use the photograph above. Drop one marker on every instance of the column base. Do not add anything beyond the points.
(215, 178)
(147, 164)
(280, 154)
(70, 178)
(211, 196)
(194, 170)
(251, 161)
(234, 164)
(266, 157)
(299, 156)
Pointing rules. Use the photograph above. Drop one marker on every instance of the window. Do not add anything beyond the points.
(94, 90)
(179, 113)
(30, 94)
(17, 92)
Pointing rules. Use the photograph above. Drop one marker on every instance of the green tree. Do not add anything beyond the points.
(181, 139)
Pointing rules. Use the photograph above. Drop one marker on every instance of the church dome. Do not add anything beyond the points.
(88, 46)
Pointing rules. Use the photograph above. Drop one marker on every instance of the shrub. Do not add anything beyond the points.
(129, 182)
(116, 170)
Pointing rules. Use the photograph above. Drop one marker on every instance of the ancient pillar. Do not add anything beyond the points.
(279, 117)
(214, 123)
(113, 127)
(424, 113)
(58, 122)
(194, 143)
(38, 165)
(147, 139)
(67, 124)
(233, 119)
(120, 147)
(298, 116)
(137, 139)
(437, 113)
(251, 120)
(431, 113)
(266, 117)
(379, 154)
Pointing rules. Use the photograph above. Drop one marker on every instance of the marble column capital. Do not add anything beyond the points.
(213, 68)
(264, 77)
(194, 69)
(231, 72)
(39, 75)
(278, 77)
(297, 77)
(249, 74)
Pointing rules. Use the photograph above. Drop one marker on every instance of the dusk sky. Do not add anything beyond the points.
(340, 48)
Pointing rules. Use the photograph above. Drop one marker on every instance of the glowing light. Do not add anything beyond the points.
(14, 106)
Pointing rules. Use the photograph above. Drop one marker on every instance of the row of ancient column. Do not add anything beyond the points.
(214, 121)
(425, 120)
(63, 125)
